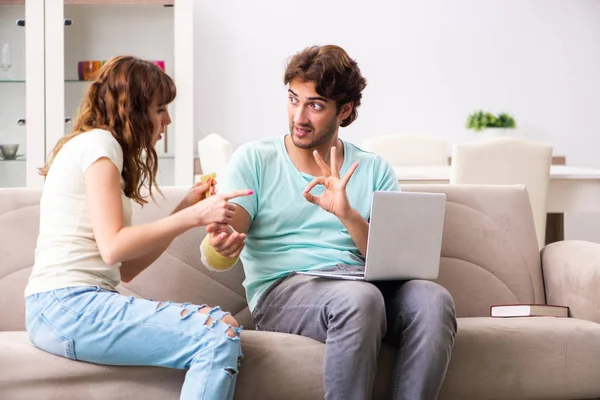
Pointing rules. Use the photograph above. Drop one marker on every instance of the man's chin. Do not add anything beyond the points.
(302, 143)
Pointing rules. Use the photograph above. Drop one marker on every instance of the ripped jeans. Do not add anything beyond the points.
(103, 327)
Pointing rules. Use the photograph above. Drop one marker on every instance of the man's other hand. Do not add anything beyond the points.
(225, 240)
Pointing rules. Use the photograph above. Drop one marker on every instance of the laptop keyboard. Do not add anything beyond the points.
(343, 269)
(351, 268)
(339, 270)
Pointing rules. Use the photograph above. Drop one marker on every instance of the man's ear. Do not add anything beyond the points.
(346, 110)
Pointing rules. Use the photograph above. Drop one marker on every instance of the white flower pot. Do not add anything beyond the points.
(489, 133)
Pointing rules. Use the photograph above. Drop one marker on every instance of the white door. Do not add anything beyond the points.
(21, 92)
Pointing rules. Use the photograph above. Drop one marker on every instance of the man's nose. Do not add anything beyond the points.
(300, 116)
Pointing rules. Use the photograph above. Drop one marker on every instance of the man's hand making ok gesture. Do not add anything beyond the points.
(334, 198)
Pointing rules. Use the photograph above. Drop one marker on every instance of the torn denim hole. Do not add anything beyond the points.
(186, 313)
(209, 322)
(231, 371)
(233, 338)
(232, 332)
(126, 301)
(237, 330)
(213, 320)
(214, 310)
(162, 305)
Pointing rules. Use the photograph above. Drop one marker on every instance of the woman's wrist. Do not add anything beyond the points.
(185, 218)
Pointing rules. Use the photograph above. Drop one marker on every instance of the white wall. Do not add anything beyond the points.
(429, 63)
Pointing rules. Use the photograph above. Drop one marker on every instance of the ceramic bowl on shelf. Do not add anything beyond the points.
(9, 151)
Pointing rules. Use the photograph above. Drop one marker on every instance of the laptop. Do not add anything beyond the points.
(404, 239)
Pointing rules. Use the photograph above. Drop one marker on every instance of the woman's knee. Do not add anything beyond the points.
(224, 335)
(226, 318)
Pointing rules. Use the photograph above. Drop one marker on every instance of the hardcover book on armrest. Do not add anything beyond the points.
(528, 310)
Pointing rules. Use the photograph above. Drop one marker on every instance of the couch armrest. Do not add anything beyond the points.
(572, 277)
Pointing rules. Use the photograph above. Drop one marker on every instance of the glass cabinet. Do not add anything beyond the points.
(49, 51)
(21, 92)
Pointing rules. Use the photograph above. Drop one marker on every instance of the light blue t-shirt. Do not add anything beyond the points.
(287, 232)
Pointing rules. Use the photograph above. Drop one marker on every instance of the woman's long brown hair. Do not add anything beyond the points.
(119, 101)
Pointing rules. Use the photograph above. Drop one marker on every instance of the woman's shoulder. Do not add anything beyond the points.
(97, 140)
(86, 147)
(99, 136)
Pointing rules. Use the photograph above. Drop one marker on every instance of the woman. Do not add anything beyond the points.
(87, 245)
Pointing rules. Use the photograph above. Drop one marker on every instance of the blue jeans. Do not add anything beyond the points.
(353, 318)
(100, 326)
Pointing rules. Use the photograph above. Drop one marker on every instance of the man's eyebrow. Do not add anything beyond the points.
(323, 99)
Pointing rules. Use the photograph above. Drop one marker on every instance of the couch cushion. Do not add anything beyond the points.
(276, 366)
(29, 373)
(524, 358)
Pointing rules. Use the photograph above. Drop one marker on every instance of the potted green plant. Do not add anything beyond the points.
(492, 125)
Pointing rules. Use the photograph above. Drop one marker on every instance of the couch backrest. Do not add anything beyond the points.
(489, 254)
(19, 227)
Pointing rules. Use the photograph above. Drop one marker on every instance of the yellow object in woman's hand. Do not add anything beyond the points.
(209, 179)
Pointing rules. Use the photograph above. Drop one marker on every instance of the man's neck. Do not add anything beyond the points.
(304, 160)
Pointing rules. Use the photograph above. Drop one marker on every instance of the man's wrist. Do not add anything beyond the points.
(350, 217)
(212, 259)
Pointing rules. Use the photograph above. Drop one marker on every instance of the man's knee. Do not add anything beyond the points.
(358, 308)
(362, 300)
(431, 303)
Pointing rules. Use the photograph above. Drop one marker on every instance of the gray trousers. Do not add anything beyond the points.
(352, 318)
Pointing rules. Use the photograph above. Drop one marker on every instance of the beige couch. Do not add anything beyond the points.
(490, 256)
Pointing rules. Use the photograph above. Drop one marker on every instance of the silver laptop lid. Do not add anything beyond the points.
(405, 235)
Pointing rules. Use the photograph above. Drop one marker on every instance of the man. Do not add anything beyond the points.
(310, 210)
